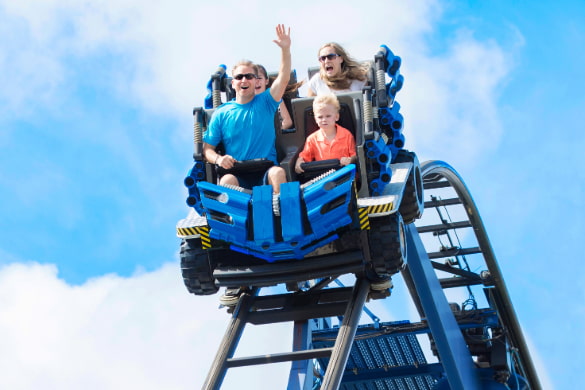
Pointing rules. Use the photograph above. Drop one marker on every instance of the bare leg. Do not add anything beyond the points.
(229, 179)
(276, 176)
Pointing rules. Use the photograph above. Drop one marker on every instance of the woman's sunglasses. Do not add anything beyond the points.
(329, 57)
(248, 76)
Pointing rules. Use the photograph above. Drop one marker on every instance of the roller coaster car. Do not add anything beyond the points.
(331, 221)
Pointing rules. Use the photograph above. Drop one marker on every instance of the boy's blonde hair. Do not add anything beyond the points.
(326, 99)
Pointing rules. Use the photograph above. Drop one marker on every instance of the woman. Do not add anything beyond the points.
(338, 72)
(264, 82)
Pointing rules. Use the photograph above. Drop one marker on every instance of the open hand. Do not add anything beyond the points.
(283, 36)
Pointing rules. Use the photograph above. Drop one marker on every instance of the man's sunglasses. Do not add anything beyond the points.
(248, 76)
(329, 57)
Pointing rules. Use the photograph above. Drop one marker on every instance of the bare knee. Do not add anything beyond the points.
(228, 179)
(276, 176)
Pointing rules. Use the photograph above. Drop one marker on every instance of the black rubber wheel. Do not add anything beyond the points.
(196, 268)
(387, 241)
(412, 205)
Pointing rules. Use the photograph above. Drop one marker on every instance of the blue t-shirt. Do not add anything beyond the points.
(246, 130)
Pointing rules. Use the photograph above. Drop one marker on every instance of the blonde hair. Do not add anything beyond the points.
(245, 63)
(350, 69)
(326, 99)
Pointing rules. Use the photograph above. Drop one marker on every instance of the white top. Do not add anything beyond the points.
(318, 86)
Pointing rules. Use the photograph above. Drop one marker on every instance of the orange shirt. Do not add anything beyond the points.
(318, 147)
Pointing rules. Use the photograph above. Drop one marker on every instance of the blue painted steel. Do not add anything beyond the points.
(335, 187)
(231, 205)
(262, 222)
(301, 372)
(290, 210)
(381, 360)
(327, 204)
(217, 79)
(377, 149)
(486, 378)
(455, 356)
(393, 61)
(394, 86)
(196, 174)
(391, 117)
(393, 120)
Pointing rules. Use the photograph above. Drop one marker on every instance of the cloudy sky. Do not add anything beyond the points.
(95, 140)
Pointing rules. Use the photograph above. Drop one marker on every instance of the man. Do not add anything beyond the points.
(245, 125)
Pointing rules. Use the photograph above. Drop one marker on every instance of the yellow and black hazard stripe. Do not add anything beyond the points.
(381, 208)
(363, 218)
(201, 231)
(193, 231)
(364, 213)
(205, 240)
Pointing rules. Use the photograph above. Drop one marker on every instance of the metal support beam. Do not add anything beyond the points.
(228, 344)
(301, 373)
(453, 352)
(347, 330)
(279, 357)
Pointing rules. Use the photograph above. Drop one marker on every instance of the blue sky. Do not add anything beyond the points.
(95, 140)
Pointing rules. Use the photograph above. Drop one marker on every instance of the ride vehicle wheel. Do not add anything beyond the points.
(196, 268)
(387, 241)
(412, 205)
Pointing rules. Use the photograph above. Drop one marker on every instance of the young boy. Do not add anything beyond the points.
(331, 141)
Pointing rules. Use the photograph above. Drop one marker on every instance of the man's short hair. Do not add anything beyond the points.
(245, 63)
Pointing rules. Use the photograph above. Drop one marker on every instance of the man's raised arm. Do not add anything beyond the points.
(283, 41)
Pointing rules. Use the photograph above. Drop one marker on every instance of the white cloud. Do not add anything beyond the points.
(450, 101)
(144, 332)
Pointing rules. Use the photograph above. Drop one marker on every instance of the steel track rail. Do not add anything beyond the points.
(434, 174)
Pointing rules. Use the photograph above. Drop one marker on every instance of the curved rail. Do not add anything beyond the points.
(438, 174)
